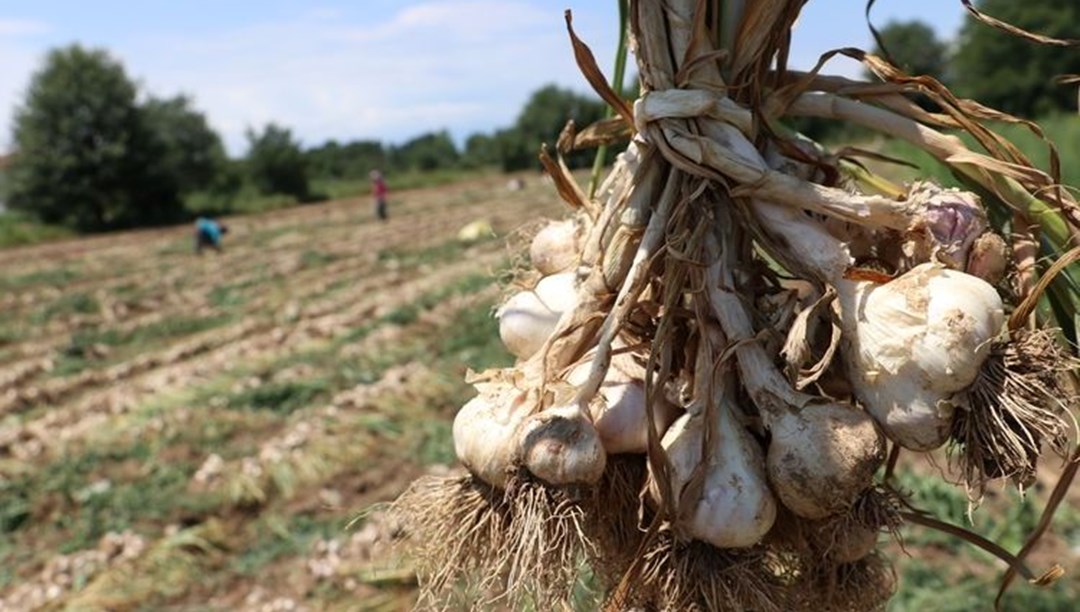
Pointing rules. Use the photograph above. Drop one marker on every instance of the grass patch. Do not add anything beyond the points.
(927, 587)
(17, 228)
(281, 397)
(474, 340)
(67, 304)
(54, 277)
(79, 352)
(314, 258)
(225, 296)
(276, 536)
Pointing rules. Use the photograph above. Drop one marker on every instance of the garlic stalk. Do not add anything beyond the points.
(821, 455)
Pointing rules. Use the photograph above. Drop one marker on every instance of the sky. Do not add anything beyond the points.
(373, 70)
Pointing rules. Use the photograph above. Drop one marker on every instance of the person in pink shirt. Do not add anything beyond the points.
(378, 190)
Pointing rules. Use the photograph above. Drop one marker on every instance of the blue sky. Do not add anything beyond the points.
(377, 69)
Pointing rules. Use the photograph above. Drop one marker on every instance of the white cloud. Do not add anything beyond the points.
(464, 65)
(22, 27)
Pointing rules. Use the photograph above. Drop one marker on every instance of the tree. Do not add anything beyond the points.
(430, 151)
(193, 154)
(86, 156)
(1015, 75)
(914, 48)
(276, 163)
(481, 150)
(543, 118)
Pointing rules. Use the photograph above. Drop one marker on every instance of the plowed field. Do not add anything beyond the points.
(183, 432)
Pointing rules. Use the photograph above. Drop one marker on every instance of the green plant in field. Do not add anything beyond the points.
(17, 228)
(55, 277)
(280, 397)
(67, 304)
(314, 258)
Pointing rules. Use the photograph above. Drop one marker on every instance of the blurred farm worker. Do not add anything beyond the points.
(378, 190)
(208, 234)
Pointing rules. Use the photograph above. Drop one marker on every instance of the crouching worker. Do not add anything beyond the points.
(208, 234)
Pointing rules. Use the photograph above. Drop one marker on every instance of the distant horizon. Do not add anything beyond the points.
(388, 72)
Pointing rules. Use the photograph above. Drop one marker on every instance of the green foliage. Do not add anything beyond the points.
(17, 227)
(276, 163)
(87, 156)
(432, 151)
(1015, 75)
(68, 304)
(914, 48)
(351, 160)
(55, 277)
(541, 121)
(193, 154)
(481, 150)
(280, 397)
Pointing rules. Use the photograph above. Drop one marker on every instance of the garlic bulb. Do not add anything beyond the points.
(529, 317)
(560, 446)
(619, 411)
(484, 430)
(821, 457)
(555, 248)
(734, 507)
(911, 343)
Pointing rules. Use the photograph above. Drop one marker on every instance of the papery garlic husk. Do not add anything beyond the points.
(735, 507)
(912, 343)
(953, 220)
(619, 409)
(555, 248)
(561, 446)
(822, 457)
(484, 430)
(528, 318)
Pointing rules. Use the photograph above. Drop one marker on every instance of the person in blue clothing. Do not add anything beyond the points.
(208, 234)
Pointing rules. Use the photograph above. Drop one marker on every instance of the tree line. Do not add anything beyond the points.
(1000, 70)
(91, 153)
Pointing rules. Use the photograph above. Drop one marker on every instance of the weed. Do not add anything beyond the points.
(68, 304)
(313, 258)
(281, 397)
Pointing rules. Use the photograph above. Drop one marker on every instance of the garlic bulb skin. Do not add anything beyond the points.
(560, 446)
(911, 343)
(555, 248)
(619, 411)
(484, 431)
(821, 458)
(529, 317)
(735, 508)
